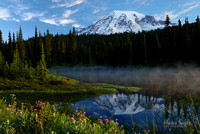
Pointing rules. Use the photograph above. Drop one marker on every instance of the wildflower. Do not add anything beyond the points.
(106, 120)
(81, 115)
(148, 130)
(80, 119)
(34, 109)
(12, 95)
(42, 107)
(78, 113)
(73, 119)
(73, 114)
(14, 101)
(76, 107)
(26, 110)
(47, 103)
(43, 103)
(117, 123)
(83, 112)
(40, 110)
(100, 122)
(31, 107)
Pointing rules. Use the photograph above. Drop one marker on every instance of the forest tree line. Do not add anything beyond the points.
(180, 43)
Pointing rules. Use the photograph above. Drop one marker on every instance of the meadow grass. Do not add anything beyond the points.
(59, 84)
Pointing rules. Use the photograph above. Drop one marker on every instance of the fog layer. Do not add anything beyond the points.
(187, 78)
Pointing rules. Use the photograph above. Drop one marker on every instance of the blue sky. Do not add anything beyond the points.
(61, 15)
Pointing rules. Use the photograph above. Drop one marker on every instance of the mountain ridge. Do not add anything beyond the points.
(122, 21)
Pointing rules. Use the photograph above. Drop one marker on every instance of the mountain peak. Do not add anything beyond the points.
(123, 21)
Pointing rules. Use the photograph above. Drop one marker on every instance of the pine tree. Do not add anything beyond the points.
(179, 23)
(41, 69)
(21, 46)
(1, 43)
(36, 49)
(16, 65)
(10, 48)
(89, 56)
(167, 21)
(48, 48)
(1, 64)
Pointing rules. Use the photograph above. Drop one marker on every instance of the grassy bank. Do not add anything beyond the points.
(58, 84)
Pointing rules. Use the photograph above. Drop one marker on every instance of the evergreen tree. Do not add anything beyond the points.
(10, 48)
(41, 70)
(21, 46)
(1, 64)
(179, 23)
(36, 49)
(48, 48)
(16, 65)
(1, 43)
(89, 57)
(167, 21)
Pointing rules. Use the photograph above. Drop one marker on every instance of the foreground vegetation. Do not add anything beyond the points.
(45, 118)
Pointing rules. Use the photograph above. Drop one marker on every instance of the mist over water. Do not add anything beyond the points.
(180, 79)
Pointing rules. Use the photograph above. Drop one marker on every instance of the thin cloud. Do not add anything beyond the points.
(68, 13)
(77, 25)
(17, 20)
(96, 11)
(66, 21)
(4, 14)
(57, 22)
(29, 15)
(56, 0)
(173, 14)
(49, 21)
(68, 3)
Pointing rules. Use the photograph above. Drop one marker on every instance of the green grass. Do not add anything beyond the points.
(58, 84)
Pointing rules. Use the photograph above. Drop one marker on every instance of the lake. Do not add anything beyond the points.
(168, 95)
(164, 95)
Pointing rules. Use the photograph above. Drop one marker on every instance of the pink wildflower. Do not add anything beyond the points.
(72, 118)
(81, 115)
(78, 113)
(35, 109)
(80, 119)
(100, 122)
(106, 120)
(42, 107)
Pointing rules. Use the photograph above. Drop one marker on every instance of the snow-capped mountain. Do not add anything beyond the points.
(122, 21)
